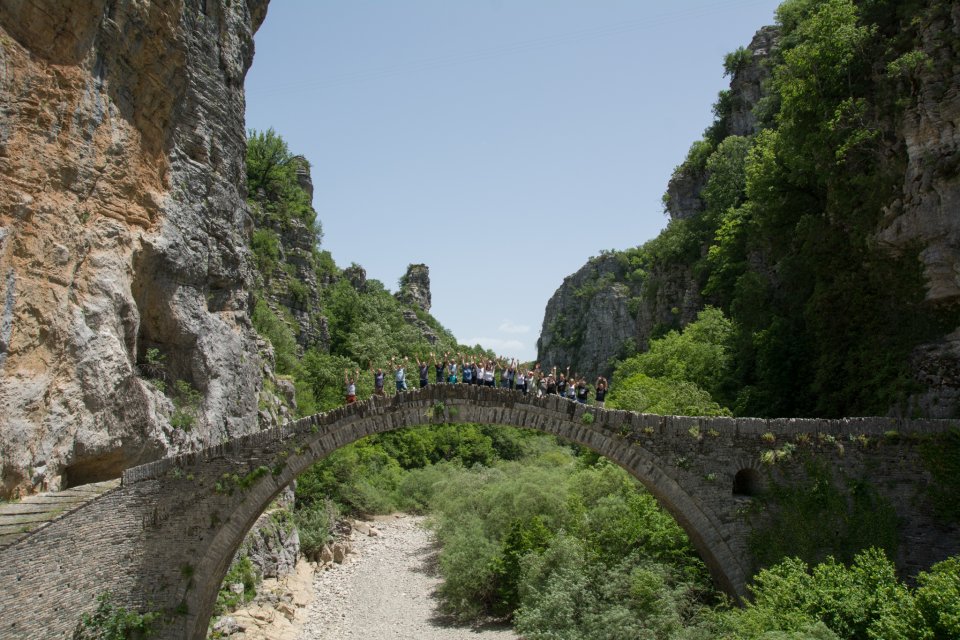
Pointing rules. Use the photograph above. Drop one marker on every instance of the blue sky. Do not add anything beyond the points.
(501, 142)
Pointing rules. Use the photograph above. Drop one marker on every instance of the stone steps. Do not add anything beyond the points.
(17, 519)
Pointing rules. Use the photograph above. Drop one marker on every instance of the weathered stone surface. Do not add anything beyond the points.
(122, 228)
(357, 276)
(292, 287)
(273, 544)
(326, 554)
(228, 626)
(747, 82)
(926, 214)
(415, 287)
(164, 516)
(587, 320)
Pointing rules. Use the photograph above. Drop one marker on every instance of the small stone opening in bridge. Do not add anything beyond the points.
(746, 483)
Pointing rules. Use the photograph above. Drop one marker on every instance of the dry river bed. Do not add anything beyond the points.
(385, 589)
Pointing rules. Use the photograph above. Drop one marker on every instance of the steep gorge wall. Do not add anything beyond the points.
(122, 229)
(928, 212)
(922, 219)
(602, 311)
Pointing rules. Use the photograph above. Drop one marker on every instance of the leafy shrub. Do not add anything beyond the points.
(315, 522)
(274, 329)
(657, 395)
(240, 572)
(266, 250)
(186, 404)
(860, 601)
(110, 622)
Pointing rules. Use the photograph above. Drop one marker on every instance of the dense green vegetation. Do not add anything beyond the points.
(823, 318)
(682, 373)
(807, 317)
(567, 546)
(365, 321)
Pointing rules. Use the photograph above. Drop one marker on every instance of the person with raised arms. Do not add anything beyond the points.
(378, 378)
(507, 374)
(452, 371)
(601, 390)
(582, 391)
(439, 365)
(562, 382)
(489, 372)
(467, 368)
(551, 385)
(351, 385)
(423, 368)
(400, 373)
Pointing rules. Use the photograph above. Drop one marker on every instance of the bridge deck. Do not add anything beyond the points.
(17, 519)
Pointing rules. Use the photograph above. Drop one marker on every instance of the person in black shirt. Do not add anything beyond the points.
(439, 365)
(582, 391)
(601, 390)
(423, 368)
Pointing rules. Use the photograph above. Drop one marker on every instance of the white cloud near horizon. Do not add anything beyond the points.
(510, 327)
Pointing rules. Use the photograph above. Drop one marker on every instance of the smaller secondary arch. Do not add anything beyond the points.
(747, 482)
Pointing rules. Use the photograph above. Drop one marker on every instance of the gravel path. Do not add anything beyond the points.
(385, 590)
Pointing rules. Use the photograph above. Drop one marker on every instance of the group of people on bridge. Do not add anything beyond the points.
(486, 371)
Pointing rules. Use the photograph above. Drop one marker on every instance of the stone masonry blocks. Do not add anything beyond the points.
(195, 509)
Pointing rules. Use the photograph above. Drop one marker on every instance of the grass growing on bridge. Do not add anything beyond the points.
(941, 457)
(819, 515)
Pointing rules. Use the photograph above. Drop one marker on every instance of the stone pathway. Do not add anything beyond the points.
(17, 519)
(384, 589)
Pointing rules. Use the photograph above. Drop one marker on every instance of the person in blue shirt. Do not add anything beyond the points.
(400, 373)
(467, 368)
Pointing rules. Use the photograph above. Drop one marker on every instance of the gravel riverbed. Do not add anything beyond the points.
(385, 589)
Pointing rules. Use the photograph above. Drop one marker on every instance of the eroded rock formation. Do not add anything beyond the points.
(415, 287)
(600, 312)
(122, 230)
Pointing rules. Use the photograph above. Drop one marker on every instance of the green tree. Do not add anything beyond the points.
(272, 181)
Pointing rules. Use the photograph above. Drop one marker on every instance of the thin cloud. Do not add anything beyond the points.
(509, 327)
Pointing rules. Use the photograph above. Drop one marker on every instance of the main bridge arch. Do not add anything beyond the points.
(163, 540)
(225, 489)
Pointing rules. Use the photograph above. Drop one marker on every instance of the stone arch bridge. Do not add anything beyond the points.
(164, 538)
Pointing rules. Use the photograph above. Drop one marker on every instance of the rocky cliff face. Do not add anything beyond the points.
(415, 287)
(922, 129)
(588, 319)
(928, 212)
(293, 282)
(122, 234)
(601, 311)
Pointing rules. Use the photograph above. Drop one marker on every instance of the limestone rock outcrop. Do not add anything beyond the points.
(599, 312)
(122, 235)
(927, 214)
(273, 544)
(747, 82)
(415, 287)
(588, 320)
